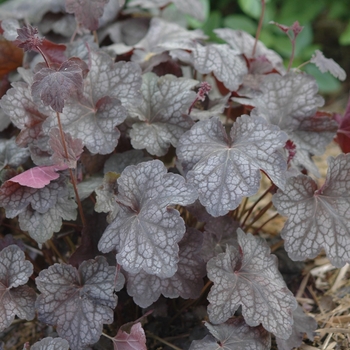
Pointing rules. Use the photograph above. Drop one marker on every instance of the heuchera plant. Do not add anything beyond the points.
(129, 168)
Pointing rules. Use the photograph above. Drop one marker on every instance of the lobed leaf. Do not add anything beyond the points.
(187, 282)
(38, 177)
(51, 344)
(18, 104)
(109, 89)
(249, 277)
(134, 340)
(223, 168)
(87, 12)
(41, 226)
(227, 65)
(15, 299)
(145, 231)
(328, 65)
(119, 161)
(164, 36)
(243, 43)
(317, 218)
(11, 154)
(194, 8)
(160, 119)
(53, 87)
(77, 302)
(235, 334)
(291, 102)
(302, 324)
(73, 147)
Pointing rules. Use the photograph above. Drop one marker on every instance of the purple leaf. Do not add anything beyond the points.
(215, 107)
(15, 299)
(146, 229)
(41, 226)
(194, 8)
(53, 86)
(218, 232)
(74, 149)
(243, 43)
(291, 102)
(39, 176)
(33, 14)
(24, 113)
(227, 65)
(223, 168)
(302, 324)
(317, 218)
(186, 283)
(343, 133)
(106, 196)
(135, 339)
(11, 154)
(40, 210)
(328, 65)
(109, 89)
(164, 36)
(28, 38)
(160, 119)
(77, 302)
(235, 334)
(249, 277)
(119, 161)
(51, 344)
(10, 240)
(87, 12)
(90, 236)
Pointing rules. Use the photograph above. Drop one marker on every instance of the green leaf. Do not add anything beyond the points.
(240, 22)
(300, 10)
(344, 38)
(195, 23)
(251, 8)
(325, 81)
(214, 21)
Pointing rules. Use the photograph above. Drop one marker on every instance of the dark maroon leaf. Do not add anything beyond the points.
(343, 133)
(28, 38)
(53, 86)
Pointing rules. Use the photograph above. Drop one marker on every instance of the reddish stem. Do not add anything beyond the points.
(81, 212)
(258, 31)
